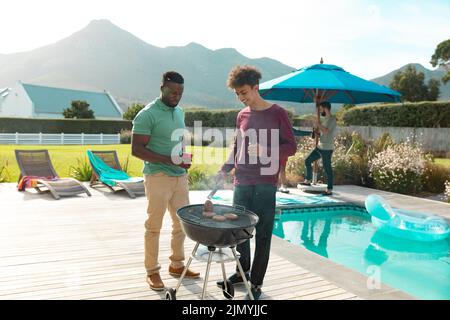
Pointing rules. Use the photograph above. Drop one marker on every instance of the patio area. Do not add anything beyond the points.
(92, 248)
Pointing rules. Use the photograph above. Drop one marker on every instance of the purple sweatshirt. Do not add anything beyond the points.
(272, 130)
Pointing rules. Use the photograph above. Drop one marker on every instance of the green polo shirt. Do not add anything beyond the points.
(160, 121)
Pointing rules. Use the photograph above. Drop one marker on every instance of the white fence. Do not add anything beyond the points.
(61, 139)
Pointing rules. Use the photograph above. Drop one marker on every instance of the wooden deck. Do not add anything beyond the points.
(92, 248)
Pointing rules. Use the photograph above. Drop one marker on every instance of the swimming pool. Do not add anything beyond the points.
(346, 236)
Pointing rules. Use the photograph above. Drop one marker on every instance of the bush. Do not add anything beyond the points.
(132, 111)
(419, 115)
(447, 191)
(434, 177)
(82, 171)
(125, 136)
(295, 166)
(4, 172)
(399, 169)
(350, 159)
(26, 125)
(217, 118)
(199, 178)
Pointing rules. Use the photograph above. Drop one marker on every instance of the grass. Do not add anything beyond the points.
(443, 161)
(63, 157)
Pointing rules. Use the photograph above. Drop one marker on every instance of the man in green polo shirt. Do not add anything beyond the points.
(157, 136)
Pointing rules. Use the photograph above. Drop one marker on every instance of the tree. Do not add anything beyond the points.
(441, 58)
(411, 85)
(79, 110)
(132, 111)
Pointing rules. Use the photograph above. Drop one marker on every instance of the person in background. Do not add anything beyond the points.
(327, 130)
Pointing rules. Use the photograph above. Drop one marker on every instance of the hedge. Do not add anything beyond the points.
(216, 118)
(26, 125)
(419, 115)
(219, 118)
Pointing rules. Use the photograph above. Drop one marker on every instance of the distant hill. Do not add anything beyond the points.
(429, 74)
(103, 56)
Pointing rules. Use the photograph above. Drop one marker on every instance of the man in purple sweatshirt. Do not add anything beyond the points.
(263, 138)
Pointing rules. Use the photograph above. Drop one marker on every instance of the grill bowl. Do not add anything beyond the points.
(209, 232)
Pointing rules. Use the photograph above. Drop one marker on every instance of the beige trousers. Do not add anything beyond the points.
(164, 192)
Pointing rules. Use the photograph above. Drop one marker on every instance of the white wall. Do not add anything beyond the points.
(17, 104)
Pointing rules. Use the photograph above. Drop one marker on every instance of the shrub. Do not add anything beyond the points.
(434, 177)
(447, 190)
(296, 163)
(399, 168)
(4, 172)
(125, 164)
(132, 111)
(350, 159)
(199, 178)
(216, 118)
(419, 115)
(125, 136)
(27, 125)
(82, 171)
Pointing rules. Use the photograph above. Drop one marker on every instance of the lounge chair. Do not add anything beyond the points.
(36, 165)
(107, 172)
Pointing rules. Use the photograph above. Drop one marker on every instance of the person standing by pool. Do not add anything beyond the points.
(165, 178)
(263, 137)
(324, 150)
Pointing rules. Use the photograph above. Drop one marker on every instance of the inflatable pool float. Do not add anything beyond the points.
(405, 224)
(384, 247)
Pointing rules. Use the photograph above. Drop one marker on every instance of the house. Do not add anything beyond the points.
(36, 101)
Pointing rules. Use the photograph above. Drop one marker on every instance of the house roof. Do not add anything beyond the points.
(55, 100)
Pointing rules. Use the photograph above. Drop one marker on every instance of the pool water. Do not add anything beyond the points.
(346, 236)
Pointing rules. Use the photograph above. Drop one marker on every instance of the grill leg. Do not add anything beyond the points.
(241, 271)
(224, 275)
(205, 283)
(187, 266)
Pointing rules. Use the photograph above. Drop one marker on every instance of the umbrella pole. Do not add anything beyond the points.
(316, 141)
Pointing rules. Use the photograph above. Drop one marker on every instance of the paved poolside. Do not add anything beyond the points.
(92, 248)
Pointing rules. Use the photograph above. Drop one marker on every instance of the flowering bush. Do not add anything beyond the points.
(447, 190)
(398, 168)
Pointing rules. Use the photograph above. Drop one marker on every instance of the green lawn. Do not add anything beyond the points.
(63, 157)
(443, 161)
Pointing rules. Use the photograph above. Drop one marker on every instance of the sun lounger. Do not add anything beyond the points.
(108, 172)
(36, 170)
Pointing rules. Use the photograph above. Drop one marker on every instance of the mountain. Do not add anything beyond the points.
(103, 56)
(429, 74)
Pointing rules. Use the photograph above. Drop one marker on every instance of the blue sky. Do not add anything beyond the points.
(367, 38)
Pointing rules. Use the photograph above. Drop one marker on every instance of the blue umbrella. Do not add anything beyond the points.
(325, 82)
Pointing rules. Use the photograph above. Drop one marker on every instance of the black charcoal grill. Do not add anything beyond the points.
(216, 235)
